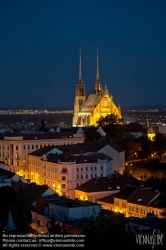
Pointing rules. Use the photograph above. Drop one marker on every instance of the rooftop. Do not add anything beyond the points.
(69, 203)
(112, 182)
(142, 197)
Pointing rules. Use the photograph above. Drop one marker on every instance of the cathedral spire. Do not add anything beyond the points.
(97, 89)
(80, 87)
(80, 67)
(97, 69)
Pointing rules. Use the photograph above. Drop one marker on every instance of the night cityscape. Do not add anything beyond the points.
(83, 124)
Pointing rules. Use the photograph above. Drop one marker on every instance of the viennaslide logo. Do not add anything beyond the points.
(150, 239)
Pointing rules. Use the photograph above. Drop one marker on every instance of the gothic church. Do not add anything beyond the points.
(88, 110)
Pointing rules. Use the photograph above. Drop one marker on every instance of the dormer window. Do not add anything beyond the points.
(139, 199)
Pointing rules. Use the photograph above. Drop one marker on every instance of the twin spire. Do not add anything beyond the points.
(97, 66)
(80, 67)
(97, 86)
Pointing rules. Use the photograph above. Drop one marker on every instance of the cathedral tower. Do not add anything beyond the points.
(80, 94)
(97, 89)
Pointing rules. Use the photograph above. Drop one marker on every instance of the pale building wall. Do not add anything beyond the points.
(14, 151)
(77, 212)
(118, 158)
(64, 177)
(93, 196)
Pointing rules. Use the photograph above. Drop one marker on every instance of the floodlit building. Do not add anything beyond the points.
(88, 109)
(15, 148)
(66, 167)
(97, 188)
(134, 202)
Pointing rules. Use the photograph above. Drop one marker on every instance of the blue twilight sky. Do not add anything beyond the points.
(39, 51)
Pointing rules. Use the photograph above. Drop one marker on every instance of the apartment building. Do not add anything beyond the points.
(134, 202)
(15, 148)
(97, 188)
(64, 170)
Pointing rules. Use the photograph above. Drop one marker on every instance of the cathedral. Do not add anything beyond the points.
(88, 109)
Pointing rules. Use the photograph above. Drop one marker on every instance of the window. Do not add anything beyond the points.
(101, 175)
(77, 169)
(95, 168)
(64, 169)
(101, 167)
(91, 175)
(81, 176)
(81, 169)
(32, 146)
(63, 178)
(24, 147)
(63, 186)
(136, 209)
(129, 208)
(86, 176)
(16, 147)
(77, 177)
(28, 147)
(36, 146)
(86, 168)
(91, 168)
(132, 209)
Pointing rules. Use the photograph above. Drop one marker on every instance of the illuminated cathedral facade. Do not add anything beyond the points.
(88, 109)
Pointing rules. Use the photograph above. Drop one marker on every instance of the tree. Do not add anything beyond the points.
(109, 119)
(108, 231)
(160, 144)
(146, 147)
(7, 200)
(91, 134)
(22, 212)
(126, 142)
(112, 125)
(16, 201)
(54, 227)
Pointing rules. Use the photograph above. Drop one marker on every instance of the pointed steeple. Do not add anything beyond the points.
(80, 67)
(9, 224)
(106, 91)
(97, 89)
(97, 66)
(80, 87)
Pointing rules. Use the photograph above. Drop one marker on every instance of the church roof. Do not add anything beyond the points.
(91, 102)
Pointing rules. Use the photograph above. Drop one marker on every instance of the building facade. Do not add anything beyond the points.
(88, 109)
(15, 148)
(66, 167)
